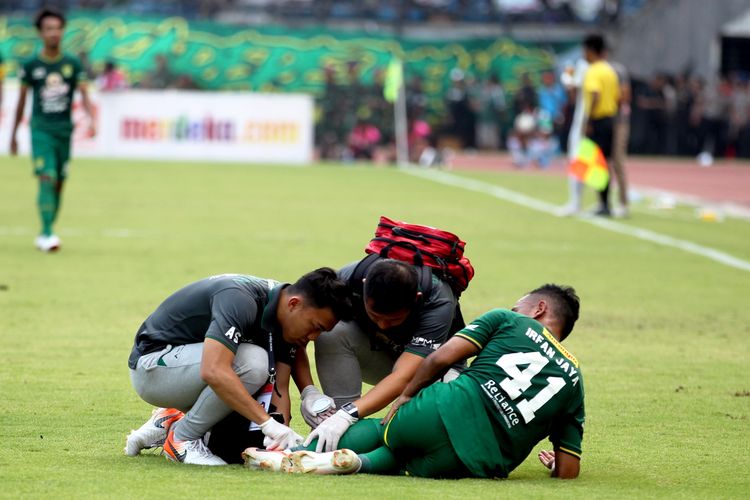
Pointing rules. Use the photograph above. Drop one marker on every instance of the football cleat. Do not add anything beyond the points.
(272, 461)
(153, 433)
(193, 452)
(53, 243)
(334, 462)
(47, 243)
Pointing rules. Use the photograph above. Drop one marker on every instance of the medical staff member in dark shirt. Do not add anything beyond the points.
(213, 344)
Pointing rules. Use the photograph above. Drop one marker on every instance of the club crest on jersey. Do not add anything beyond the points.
(67, 70)
(233, 334)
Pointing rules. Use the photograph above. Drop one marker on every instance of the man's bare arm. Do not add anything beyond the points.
(391, 386)
(563, 465)
(88, 107)
(453, 351)
(216, 371)
(17, 120)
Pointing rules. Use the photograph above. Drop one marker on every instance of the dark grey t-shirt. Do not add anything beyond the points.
(229, 308)
(424, 331)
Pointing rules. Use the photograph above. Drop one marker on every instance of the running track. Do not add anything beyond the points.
(726, 183)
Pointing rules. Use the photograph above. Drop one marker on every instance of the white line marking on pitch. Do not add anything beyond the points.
(610, 225)
(107, 233)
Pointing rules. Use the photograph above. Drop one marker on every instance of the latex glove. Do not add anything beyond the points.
(279, 436)
(330, 431)
(315, 406)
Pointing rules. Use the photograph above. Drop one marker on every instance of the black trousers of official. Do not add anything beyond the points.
(602, 133)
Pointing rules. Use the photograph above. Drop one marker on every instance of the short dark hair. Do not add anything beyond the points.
(595, 43)
(323, 288)
(45, 13)
(391, 285)
(564, 303)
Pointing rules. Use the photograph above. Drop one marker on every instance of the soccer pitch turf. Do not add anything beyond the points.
(662, 339)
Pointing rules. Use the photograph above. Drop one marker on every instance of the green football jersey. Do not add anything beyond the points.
(522, 387)
(52, 83)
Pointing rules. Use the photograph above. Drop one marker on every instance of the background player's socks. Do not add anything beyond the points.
(58, 200)
(47, 205)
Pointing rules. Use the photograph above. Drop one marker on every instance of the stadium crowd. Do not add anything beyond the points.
(685, 115)
(387, 11)
(680, 115)
(670, 115)
(530, 116)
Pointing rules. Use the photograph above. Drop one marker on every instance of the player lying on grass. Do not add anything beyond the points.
(522, 387)
(211, 345)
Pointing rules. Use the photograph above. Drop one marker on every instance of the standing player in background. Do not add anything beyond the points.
(53, 77)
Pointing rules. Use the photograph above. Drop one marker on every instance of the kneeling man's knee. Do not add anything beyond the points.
(251, 364)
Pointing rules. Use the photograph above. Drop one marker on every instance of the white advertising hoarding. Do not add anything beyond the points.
(185, 125)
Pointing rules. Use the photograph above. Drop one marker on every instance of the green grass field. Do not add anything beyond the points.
(662, 341)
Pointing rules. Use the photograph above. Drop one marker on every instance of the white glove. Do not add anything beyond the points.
(330, 431)
(315, 406)
(279, 436)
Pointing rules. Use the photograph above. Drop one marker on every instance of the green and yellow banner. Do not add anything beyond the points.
(268, 59)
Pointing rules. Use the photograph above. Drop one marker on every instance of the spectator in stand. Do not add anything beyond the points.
(670, 116)
(532, 140)
(491, 104)
(416, 99)
(653, 103)
(462, 114)
(161, 77)
(552, 99)
(184, 82)
(694, 117)
(111, 79)
(380, 111)
(88, 69)
(330, 131)
(715, 121)
(210, 8)
(739, 126)
(682, 112)
(363, 139)
(421, 150)
(526, 97)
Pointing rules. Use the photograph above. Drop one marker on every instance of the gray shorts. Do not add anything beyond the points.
(171, 378)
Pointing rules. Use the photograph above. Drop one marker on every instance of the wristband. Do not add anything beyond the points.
(351, 409)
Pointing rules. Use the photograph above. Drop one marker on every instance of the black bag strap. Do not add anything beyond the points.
(423, 237)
